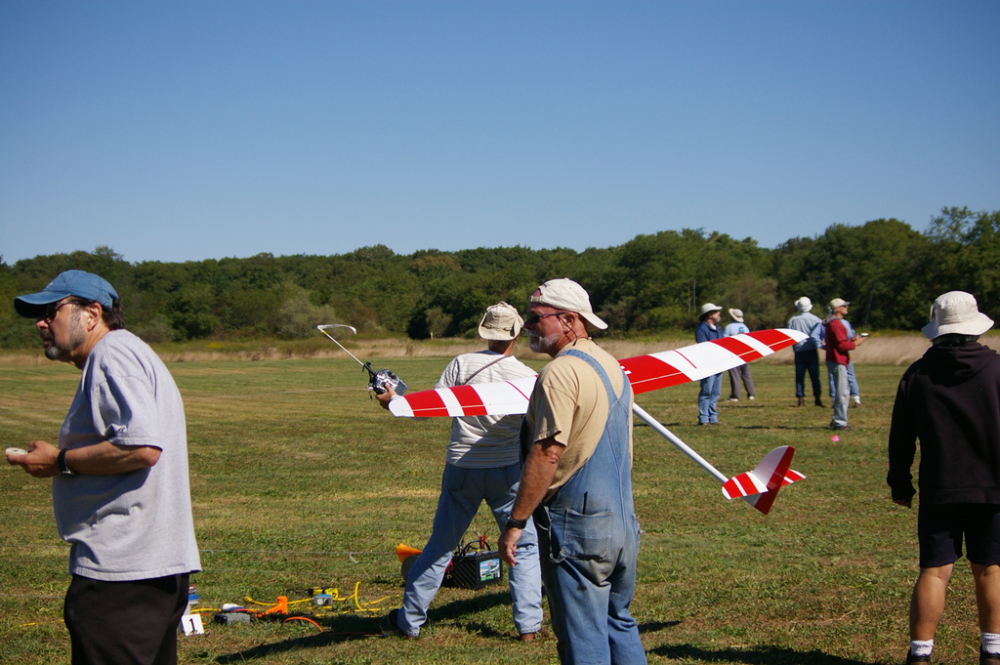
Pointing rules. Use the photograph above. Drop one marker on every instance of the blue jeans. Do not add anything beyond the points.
(839, 372)
(462, 490)
(708, 399)
(807, 361)
(852, 382)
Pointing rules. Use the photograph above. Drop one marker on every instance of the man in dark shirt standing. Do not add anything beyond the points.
(950, 400)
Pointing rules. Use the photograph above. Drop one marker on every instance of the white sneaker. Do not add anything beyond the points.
(751, 398)
(733, 399)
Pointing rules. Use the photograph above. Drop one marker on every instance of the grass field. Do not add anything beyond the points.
(298, 480)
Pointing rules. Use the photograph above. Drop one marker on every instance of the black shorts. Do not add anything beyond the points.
(940, 528)
(125, 622)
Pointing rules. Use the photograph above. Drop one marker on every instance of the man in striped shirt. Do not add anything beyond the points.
(483, 464)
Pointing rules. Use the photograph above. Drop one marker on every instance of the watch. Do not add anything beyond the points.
(515, 524)
(64, 469)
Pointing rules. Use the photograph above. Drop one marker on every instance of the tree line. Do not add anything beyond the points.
(650, 284)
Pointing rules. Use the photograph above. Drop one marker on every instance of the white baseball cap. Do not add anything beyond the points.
(563, 293)
(956, 312)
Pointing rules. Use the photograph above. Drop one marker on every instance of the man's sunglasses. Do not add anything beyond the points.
(533, 318)
(52, 309)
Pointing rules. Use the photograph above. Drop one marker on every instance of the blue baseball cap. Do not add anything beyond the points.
(78, 283)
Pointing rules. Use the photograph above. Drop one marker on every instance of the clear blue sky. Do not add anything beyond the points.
(175, 131)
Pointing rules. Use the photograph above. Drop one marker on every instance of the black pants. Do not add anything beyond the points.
(114, 623)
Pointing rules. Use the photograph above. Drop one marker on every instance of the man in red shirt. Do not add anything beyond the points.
(838, 355)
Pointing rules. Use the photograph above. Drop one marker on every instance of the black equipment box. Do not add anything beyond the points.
(474, 570)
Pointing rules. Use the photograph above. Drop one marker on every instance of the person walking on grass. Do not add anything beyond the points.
(120, 486)
(741, 373)
(838, 355)
(950, 401)
(484, 464)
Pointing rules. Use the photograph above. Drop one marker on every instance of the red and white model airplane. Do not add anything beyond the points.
(650, 372)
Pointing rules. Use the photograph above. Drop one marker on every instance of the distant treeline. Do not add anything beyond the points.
(651, 283)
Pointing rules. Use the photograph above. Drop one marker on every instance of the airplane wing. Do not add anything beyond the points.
(646, 373)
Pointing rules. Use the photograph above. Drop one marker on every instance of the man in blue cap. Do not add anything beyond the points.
(120, 487)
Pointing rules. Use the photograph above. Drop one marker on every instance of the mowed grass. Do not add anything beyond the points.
(299, 480)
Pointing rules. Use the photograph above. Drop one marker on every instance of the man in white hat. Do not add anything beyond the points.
(950, 400)
(711, 386)
(577, 482)
(739, 374)
(483, 464)
(806, 351)
(838, 356)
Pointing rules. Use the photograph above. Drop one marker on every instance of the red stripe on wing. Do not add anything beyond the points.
(426, 404)
(775, 339)
(472, 403)
(738, 348)
(647, 373)
(775, 482)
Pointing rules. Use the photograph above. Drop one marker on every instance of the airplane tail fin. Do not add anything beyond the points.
(760, 487)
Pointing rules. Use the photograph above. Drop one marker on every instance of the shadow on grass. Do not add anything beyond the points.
(769, 655)
(335, 630)
(653, 626)
(352, 627)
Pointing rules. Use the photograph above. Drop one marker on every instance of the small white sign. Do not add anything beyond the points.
(191, 623)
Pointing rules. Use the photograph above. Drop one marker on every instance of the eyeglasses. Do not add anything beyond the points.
(53, 309)
(534, 318)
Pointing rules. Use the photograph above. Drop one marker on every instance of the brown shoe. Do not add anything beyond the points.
(527, 637)
(802, 401)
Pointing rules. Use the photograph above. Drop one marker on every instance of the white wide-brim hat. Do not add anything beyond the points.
(956, 313)
(736, 314)
(803, 304)
(565, 294)
(501, 322)
(709, 307)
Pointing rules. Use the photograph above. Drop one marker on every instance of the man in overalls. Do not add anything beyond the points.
(576, 442)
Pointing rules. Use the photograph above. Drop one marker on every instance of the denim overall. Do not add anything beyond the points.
(588, 541)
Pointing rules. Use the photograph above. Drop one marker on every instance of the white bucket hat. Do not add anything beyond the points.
(803, 304)
(501, 322)
(563, 293)
(736, 314)
(956, 312)
(708, 307)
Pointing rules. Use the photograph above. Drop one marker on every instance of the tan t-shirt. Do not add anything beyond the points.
(569, 403)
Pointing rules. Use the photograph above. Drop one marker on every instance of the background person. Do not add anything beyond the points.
(711, 386)
(838, 350)
(807, 351)
(741, 373)
(483, 464)
(119, 478)
(818, 335)
(577, 481)
(950, 400)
